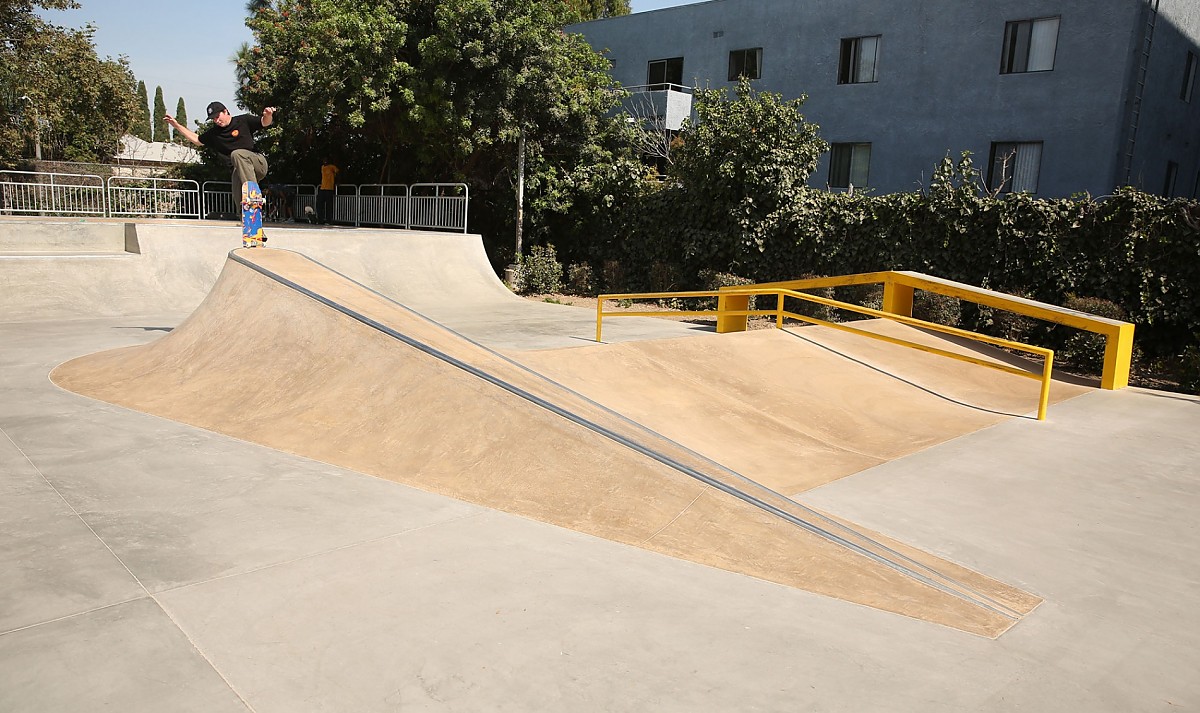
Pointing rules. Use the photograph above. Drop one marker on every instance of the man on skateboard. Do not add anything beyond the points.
(233, 138)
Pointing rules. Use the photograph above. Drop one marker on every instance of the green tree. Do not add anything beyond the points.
(581, 10)
(141, 120)
(181, 117)
(65, 100)
(742, 166)
(19, 26)
(423, 90)
(161, 131)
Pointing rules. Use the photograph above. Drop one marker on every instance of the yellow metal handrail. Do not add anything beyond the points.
(780, 313)
(898, 292)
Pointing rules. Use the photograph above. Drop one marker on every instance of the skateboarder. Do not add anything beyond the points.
(233, 138)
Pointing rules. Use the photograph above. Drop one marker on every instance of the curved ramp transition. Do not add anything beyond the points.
(289, 354)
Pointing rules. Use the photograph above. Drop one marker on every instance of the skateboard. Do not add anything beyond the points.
(252, 218)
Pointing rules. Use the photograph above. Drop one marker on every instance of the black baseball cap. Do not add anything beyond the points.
(214, 109)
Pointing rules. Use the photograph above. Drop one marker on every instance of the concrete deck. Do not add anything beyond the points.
(152, 565)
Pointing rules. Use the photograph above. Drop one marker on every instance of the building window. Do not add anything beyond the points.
(1015, 167)
(859, 62)
(745, 63)
(849, 165)
(662, 72)
(1189, 78)
(1029, 46)
(1169, 183)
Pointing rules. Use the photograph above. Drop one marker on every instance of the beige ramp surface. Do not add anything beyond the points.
(288, 354)
(795, 409)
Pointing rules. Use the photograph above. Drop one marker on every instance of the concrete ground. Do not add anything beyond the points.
(150, 565)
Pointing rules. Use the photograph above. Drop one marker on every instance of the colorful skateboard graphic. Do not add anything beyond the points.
(252, 219)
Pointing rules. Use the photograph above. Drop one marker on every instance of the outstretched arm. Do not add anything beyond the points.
(182, 130)
(268, 116)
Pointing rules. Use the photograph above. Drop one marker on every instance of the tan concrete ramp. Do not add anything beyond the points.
(288, 354)
(796, 409)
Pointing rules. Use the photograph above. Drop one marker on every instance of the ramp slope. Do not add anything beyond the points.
(288, 354)
(800, 408)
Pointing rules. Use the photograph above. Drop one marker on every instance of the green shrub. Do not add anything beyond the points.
(580, 280)
(713, 280)
(1189, 370)
(664, 277)
(939, 309)
(613, 277)
(541, 272)
(1085, 350)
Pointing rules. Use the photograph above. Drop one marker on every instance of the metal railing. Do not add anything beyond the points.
(55, 194)
(899, 287)
(723, 311)
(152, 197)
(431, 206)
(445, 209)
(383, 204)
(217, 200)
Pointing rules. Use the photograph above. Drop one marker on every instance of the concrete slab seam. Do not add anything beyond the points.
(74, 512)
(74, 615)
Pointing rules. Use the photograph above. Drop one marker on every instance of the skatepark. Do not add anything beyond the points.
(354, 472)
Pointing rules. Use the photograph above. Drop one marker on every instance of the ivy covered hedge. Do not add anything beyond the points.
(734, 202)
(1137, 251)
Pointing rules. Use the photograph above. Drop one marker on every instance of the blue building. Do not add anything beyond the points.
(1053, 97)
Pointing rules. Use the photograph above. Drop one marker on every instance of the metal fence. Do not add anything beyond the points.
(430, 206)
(26, 192)
(158, 197)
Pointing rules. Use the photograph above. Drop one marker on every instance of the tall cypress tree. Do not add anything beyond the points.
(161, 130)
(181, 117)
(141, 121)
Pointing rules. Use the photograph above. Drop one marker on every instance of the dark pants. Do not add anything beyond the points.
(247, 166)
(324, 206)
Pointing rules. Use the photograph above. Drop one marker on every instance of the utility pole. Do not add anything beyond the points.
(512, 275)
(37, 128)
(520, 191)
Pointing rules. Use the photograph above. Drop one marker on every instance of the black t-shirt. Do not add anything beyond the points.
(239, 134)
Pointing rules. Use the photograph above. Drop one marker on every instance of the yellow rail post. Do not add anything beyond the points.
(599, 315)
(897, 298)
(1044, 397)
(732, 322)
(1118, 358)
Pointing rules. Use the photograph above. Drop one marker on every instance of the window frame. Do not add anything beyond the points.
(1008, 177)
(850, 60)
(1189, 77)
(853, 150)
(666, 82)
(1017, 49)
(1170, 180)
(743, 54)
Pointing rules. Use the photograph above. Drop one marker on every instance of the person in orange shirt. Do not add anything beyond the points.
(326, 192)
